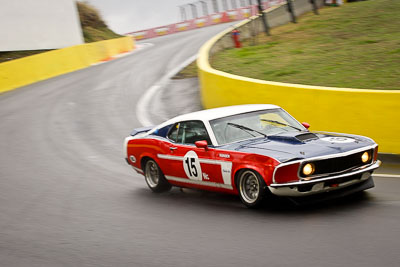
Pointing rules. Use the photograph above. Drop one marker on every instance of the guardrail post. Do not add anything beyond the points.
(233, 4)
(205, 8)
(263, 17)
(215, 6)
(253, 31)
(194, 11)
(314, 7)
(183, 13)
(291, 10)
(225, 5)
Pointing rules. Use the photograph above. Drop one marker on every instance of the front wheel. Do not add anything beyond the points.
(155, 178)
(251, 188)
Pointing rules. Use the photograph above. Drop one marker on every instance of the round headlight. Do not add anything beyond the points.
(365, 157)
(308, 169)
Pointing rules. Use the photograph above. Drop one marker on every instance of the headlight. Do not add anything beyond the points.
(365, 157)
(308, 169)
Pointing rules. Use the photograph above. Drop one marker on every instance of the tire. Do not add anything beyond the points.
(252, 188)
(155, 178)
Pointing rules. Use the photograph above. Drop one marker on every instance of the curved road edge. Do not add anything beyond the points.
(144, 102)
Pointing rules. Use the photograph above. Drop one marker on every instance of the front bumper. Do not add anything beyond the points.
(326, 184)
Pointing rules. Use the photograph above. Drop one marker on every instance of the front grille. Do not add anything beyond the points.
(337, 165)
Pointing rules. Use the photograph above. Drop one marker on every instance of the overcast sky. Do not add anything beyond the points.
(124, 16)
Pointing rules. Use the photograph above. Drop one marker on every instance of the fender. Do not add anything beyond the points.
(253, 162)
(264, 171)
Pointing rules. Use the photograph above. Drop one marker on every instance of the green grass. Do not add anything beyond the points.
(189, 71)
(98, 34)
(356, 45)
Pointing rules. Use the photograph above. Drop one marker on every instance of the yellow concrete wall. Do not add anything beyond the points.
(372, 113)
(24, 71)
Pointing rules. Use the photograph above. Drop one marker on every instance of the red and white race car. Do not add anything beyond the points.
(252, 151)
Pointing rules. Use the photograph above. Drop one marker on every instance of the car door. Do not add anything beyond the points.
(193, 165)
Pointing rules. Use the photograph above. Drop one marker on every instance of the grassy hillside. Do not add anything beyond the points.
(356, 45)
(93, 27)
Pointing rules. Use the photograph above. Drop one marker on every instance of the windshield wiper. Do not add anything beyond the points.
(247, 129)
(281, 123)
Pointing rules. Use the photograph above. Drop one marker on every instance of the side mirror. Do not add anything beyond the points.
(305, 124)
(201, 144)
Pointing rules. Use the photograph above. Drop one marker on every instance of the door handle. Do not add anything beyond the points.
(173, 148)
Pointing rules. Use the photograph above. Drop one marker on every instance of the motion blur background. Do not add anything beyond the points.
(67, 196)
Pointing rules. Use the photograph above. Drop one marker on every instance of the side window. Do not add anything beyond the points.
(173, 133)
(162, 131)
(192, 131)
(188, 132)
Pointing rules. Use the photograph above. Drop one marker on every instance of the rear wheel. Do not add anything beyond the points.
(155, 178)
(251, 188)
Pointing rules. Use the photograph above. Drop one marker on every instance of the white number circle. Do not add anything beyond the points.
(338, 139)
(191, 165)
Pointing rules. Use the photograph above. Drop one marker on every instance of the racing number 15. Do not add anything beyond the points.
(190, 163)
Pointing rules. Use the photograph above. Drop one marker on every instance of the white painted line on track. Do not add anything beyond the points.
(387, 175)
(141, 108)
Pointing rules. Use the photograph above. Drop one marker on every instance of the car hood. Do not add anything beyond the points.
(301, 145)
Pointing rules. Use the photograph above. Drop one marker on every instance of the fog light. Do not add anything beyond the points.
(365, 157)
(308, 169)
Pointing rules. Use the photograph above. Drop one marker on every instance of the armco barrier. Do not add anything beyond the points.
(209, 20)
(27, 70)
(372, 113)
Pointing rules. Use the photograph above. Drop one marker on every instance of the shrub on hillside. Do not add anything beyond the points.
(93, 26)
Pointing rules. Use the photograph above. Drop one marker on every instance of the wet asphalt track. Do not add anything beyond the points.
(67, 197)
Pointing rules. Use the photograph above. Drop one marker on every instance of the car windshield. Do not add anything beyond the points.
(253, 125)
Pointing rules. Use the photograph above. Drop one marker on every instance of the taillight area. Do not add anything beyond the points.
(286, 173)
(126, 142)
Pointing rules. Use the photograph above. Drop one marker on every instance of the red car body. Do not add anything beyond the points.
(276, 161)
(218, 167)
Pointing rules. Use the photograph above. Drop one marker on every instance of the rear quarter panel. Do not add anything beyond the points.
(144, 147)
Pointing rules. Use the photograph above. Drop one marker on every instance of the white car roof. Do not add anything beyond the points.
(216, 113)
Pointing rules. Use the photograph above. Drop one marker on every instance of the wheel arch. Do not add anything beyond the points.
(145, 157)
(239, 170)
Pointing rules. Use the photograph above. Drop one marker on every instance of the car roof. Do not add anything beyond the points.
(216, 113)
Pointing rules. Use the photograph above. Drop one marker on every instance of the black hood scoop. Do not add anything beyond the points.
(291, 138)
(306, 136)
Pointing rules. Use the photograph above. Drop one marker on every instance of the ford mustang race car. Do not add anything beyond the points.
(251, 151)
